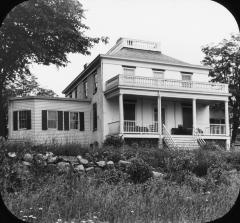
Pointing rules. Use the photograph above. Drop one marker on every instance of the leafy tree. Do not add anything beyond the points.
(224, 58)
(42, 32)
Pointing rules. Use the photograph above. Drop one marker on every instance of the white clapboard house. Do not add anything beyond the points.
(134, 91)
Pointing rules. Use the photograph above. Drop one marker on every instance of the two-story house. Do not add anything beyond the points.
(133, 91)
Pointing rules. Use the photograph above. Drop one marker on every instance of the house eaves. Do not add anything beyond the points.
(86, 70)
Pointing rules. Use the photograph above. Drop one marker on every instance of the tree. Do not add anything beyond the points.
(42, 32)
(224, 58)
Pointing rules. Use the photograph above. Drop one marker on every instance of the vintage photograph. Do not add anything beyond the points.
(119, 111)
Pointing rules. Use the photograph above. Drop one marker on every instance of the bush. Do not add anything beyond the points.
(139, 171)
(114, 141)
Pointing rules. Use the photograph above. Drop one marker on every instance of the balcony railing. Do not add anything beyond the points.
(133, 127)
(152, 82)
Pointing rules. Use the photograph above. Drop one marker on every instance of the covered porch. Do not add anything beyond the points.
(137, 116)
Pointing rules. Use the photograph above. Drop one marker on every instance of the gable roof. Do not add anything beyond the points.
(148, 55)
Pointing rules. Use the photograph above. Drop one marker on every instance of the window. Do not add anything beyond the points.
(75, 92)
(187, 78)
(74, 120)
(128, 70)
(158, 73)
(70, 95)
(217, 121)
(94, 117)
(95, 82)
(22, 119)
(52, 119)
(85, 89)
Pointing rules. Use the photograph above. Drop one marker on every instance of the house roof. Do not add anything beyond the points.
(48, 98)
(148, 55)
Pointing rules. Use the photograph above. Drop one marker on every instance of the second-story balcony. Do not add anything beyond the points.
(123, 80)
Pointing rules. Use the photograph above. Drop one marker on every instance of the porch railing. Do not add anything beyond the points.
(135, 127)
(153, 82)
(215, 129)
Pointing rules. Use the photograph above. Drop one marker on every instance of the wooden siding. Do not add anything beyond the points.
(37, 135)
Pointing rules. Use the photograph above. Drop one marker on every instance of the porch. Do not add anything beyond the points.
(138, 117)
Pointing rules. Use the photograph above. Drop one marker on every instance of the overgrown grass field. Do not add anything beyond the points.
(198, 186)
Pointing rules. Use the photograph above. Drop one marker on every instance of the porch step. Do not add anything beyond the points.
(185, 142)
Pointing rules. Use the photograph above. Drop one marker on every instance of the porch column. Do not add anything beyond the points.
(227, 125)
(194, 110)
(121, 113)
(160, 119)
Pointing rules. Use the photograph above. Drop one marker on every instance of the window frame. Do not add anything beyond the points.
(185, 74)
(155, 71)
(70, 120)
(128, 68)
(52, 119)
(85, 89)
(24, 128)
(95, 82)
(75, 92)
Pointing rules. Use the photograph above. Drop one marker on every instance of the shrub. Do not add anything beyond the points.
(112, 176)
(114, 141)
(139, 171)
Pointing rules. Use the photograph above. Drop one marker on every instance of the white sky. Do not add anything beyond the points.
(182, 27)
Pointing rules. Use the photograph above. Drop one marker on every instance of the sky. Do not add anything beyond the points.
(182, 27)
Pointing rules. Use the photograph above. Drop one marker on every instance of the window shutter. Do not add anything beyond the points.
(60, 120)
(81, 118)
(66, 120)
(44, 119)
(29, 119)
(15, 120)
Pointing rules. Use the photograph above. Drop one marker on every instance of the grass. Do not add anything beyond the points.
(50, 197)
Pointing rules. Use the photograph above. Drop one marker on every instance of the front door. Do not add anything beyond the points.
(129, 111)
(187, 117)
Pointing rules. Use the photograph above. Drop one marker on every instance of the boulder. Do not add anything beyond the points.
(52, 159)
(28, 157)
(79, 168)
(71, 159)
(12, 154)
(157, 174)
(63, 166)
(110, 163)
(124, 163)
(101, 163)
(25, 163)
(90, 170)
(82, 160)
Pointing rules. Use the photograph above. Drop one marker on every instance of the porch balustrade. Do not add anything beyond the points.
(153, 82)
(135, 127)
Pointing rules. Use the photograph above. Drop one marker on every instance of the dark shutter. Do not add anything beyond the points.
(66, 120)
(94, 116)
(60, 120)
(81, 118)
(15, 120)
(44, 119)
(29, 119)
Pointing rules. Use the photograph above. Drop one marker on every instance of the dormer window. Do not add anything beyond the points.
(127, 70)
(158, 73)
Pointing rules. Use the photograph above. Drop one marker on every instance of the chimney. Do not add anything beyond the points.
(85, 66)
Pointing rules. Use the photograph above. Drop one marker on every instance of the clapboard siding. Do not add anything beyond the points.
(37, 135)
(18, 106)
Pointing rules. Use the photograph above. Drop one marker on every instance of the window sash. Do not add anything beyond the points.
(186, 77)
(158, 74)
(128, 71)
(74, 120)
(52, 119)
(95, 83)
(85, 87)
(22, 119)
